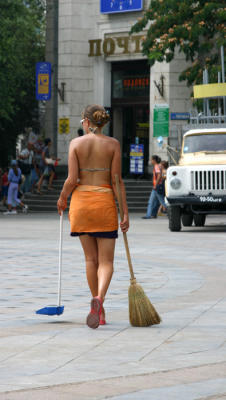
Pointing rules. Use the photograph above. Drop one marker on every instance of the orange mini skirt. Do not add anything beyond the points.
(93, 211)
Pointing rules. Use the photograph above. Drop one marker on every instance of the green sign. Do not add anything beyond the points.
(161, 120)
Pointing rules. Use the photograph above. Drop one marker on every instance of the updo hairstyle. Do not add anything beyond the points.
(97, 115)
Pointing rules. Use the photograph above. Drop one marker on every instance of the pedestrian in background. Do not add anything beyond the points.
(14, 178)
(48, 166)
(80, 132)
(37, 167)
(165, 165)
(5, 186)
(38, 149)
(25, 163)
(156, 197)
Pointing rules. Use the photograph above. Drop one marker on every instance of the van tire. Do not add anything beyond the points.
(199, 219)
(187, 219)
(174, 215)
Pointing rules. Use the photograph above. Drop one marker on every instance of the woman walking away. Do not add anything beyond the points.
(14, 178)
(94, 159)
(48, 167)
(157, 193)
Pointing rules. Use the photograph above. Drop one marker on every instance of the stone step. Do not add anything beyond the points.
(42, 199)
(141, 210)
(137, 191)
(55, 194)
(48, 203)
(129, 188)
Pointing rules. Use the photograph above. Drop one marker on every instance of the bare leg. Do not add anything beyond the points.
(51, 179)
(106, 248)
(39, 184)
(89, 245)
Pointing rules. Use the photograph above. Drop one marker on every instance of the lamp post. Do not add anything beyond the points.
(51, 55)
(223, 77)
(55, 74)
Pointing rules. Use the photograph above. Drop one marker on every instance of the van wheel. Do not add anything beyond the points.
(199, 219)
(187, 219)
(174, 215)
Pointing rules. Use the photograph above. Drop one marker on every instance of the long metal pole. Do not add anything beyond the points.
(207, 100)
(204, 100)
(219, 99)
(55, 4)
(60, 259)
(223, 77)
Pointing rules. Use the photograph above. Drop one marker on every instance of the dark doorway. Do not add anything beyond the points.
(130, 105)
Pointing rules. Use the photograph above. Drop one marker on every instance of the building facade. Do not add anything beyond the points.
(99, 62)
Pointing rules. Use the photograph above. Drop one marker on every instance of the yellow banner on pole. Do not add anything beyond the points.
(210, 90)
(64, 125)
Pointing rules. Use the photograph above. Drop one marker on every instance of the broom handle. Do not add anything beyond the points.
(60, 258)
(124, 233)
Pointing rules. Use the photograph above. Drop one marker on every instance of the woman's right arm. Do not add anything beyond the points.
(116, 170)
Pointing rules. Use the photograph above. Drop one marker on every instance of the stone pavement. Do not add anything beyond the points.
(53, 358)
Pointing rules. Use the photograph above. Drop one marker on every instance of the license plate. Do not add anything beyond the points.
(210, 199)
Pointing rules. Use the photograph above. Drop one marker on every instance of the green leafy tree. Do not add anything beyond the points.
(22, 35)
(196, 28)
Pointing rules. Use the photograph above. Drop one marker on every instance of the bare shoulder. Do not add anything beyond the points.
(74, 142)
(115, 143)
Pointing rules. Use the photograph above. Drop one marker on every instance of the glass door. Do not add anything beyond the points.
(130, 103)
(135, 130)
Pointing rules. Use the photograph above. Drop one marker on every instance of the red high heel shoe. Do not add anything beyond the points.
(93, 318)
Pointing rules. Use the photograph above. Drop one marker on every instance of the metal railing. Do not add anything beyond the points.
(208, 119)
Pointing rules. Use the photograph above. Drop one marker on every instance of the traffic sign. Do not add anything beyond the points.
(43, 81)
(64, 125)
(180, 116)
(117, 6)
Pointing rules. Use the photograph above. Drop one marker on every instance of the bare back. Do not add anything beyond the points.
(94, 159)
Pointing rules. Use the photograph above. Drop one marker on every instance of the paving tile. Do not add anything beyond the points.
(195, 391)
(183, 274)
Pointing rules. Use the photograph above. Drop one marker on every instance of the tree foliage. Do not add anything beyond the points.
(22, 26)
(196, 28)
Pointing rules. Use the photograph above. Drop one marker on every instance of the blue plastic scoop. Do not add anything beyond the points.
(51, 310)
(56, 309)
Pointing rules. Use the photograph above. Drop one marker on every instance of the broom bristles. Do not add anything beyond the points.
(141, 311)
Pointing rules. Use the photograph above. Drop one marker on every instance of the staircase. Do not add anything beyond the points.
(137, 191)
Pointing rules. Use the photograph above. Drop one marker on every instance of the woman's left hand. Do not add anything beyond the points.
(124, 225)
(61, 204)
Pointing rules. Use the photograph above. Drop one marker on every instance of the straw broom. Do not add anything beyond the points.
(141, 311)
